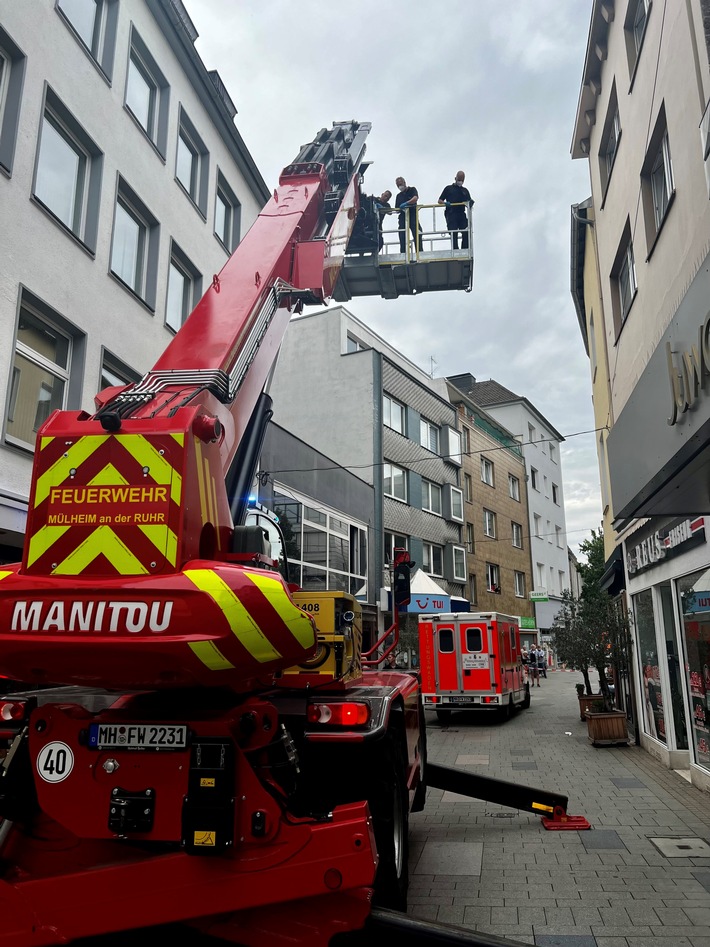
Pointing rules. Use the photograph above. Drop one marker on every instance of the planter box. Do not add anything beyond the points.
(607, 729)
(585, 703)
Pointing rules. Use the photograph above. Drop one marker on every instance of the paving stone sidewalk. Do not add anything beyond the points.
(484, 867)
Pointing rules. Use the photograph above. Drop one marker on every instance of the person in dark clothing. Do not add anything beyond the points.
(382, 207)
(406, 201)
(457, 198)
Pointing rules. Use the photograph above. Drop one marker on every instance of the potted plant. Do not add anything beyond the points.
(585, 700)
(589, 632)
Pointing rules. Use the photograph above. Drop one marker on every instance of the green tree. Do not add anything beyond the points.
(593, 630)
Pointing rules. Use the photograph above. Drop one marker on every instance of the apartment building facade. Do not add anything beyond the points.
(643, 125)
(546, 527)
(124, 185)
(495, 530)
(341, 388)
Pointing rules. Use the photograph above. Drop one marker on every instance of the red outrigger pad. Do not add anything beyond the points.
(561, 822)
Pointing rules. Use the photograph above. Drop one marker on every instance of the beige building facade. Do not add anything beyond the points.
(495, 531)
(641, 279)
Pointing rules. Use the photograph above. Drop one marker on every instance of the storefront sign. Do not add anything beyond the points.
(539, 595)
(677, 537)
(687, 371)
(429, 604)
(525, 622)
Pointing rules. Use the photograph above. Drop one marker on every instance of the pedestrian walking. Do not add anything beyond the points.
(541, 663)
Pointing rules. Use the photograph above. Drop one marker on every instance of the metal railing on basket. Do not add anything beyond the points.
(435, 238)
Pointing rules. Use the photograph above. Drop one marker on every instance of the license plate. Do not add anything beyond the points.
(462, 700)
(137, 736)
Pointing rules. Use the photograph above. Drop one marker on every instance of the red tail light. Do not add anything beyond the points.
(12, 710)
(339, 714)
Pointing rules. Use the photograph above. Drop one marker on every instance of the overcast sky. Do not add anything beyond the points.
(486, 86)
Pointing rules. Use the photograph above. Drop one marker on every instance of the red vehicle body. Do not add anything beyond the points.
(472, 660)
(218, 753)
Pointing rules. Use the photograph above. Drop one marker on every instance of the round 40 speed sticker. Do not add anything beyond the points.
(55, 761)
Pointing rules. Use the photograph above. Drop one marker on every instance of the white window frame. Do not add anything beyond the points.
(388, 473)
(457, 504)
(516, 534)
(537, 521)
(428, 435)
(558, 537)
(430, 551)
(487, 472)
(514, 487)
(394, 541)
(555, 494)
(519, 578)
(459, 564)
(388, 405)
(534, 478)
(431, 497)
(489, 523)
(493, 577)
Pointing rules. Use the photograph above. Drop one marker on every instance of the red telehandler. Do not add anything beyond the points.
(203, 743)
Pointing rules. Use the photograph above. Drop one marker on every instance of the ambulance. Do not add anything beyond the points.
(472, 661)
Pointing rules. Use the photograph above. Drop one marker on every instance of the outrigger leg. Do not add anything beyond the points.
(550, 805)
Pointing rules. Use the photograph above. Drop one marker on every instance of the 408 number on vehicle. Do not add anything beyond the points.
(55, 761)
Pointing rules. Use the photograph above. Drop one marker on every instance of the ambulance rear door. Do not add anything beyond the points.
(477, 673)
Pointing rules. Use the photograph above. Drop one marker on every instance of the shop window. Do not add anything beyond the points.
(694, 597)
(677, 711)
(653, 715)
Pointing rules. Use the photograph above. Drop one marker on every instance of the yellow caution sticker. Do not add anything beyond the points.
(539, 805)
(207, 781)
(206, 839)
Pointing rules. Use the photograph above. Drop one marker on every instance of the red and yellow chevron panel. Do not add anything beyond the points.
(106, 504)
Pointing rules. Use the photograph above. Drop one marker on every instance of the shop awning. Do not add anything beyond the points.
(613, 578)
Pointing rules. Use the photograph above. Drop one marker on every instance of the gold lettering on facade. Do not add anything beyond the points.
(687, 376)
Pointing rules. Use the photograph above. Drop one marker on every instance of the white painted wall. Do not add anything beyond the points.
(38, 254)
